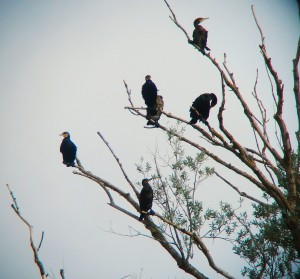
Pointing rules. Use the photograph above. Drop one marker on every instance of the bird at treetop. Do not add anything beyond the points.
(201, 107)
(68, 150)
(149, 93)
(154, 117)
(200, 35)
(146, 199)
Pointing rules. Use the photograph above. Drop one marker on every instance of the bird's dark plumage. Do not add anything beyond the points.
(146, 199)
(154, 114)
(68, 150)
(200, 35)
(152, 101)
(201, 107)
(149, 92)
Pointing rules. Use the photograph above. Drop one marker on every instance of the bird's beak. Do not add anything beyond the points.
(153, 178)
(205, 18)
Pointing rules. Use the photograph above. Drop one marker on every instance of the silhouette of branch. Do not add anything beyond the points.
(174, 19)
(120, 165)
(286, 161)
(239, 192)
(33, 247)
(40, 242)
(297, 90)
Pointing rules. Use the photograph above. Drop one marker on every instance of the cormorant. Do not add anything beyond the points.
(201, 107)
(146, 199)
(154, 114)
(149, 93)
(200, 35)
(68, 150)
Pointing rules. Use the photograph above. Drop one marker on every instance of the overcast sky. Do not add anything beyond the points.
(62, 69)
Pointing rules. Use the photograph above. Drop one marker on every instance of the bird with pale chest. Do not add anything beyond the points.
(200, 35)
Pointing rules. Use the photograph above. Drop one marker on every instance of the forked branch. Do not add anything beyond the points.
(33, 247)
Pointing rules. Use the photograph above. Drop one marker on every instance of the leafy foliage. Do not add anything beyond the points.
(258, 235)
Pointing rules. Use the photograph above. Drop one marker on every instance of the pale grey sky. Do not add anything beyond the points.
(62, 69)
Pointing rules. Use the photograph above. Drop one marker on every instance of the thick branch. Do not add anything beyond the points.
(199, 242)
(296, 87)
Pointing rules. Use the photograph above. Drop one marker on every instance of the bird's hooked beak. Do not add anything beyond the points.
(63, 135)
(204, 18)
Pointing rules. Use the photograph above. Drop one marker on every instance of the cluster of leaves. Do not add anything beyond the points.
(259, 236)
(266, 244)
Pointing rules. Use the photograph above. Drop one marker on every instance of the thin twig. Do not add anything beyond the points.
(243, 194)
(41, 241)
(34, 249)
(119, 163)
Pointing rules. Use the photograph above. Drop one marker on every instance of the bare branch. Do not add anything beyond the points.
(41, 242)
(243, 194)
(120, 165)
(174, 19)
(297, 87)
(258, 26)
(34, 249)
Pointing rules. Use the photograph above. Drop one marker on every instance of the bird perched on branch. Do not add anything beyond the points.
(200, 35)
(152, 101)
(201, 107)
(154, 114)
(68, 150)
(146, 199)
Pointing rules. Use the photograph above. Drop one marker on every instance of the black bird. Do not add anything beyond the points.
(201, 107)
(146, 199)
(200, 35)
(149, 93)
(68, 150)
(158, 108)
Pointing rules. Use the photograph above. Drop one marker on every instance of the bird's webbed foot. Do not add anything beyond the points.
(68, 164)
(151, 212)
(202, 51)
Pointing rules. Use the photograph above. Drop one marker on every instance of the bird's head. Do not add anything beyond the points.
(65, 134)
(214, 99)
(145, 181)
(147, 77)
(198, 20)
